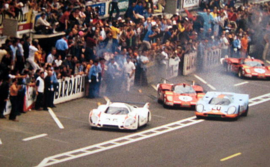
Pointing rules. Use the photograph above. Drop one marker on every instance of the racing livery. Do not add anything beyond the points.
(222, 105)
(247, 67)
(119, 116)
(179, 95)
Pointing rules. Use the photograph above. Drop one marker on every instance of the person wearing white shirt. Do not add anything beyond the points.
(58, 61)
(51, 56)
(42, 25)
(40, 91)
(31, 58)
(129, 69)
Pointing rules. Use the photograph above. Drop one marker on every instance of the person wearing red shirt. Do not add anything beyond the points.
(64, 20)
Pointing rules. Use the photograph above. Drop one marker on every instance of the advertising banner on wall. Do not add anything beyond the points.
(190, 63)
(8, 108)
(173, 67)
(30, 98)
(190, 3)
(69, 89)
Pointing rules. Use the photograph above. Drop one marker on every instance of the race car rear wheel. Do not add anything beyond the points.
(138, 124)
(245, 113)
(240, 74)
(148, 117)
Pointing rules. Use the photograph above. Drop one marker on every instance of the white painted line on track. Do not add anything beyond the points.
(158, 116)
(199, 78)
(202, 80)
(60, 125)
(259, 99)
(1, 142)
(229, 157)
(155, 87)
(242, 83)
(114, 143)
(92, 149)
(35, 137)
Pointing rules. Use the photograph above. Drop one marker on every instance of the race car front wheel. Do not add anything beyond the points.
(240, 73)
(245, 113)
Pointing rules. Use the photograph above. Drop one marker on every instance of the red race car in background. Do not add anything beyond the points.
(179, 95)
(247, 67)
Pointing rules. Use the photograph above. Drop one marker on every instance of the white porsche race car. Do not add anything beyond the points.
(120, 116)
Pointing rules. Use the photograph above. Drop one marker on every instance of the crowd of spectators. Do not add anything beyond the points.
(114, 51)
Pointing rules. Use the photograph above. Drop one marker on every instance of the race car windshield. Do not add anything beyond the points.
(183, 89)
(220, 101)
(253, 63)
(117, 111)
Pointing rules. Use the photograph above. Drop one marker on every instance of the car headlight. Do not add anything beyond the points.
(128, 122)
(247, 70)
(199, 108)
(94, 119)
(231, 110)
(169, 98)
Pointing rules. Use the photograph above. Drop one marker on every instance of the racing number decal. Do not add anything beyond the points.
(185, 98)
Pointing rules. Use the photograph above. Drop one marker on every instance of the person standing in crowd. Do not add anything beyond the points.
(114, 5)
(208, 20)
(26, 46)
(20, 56)
(64, 20)
(51, 57)
(4, 89)
(39, 91)
(13, 90)
(143, 59)
(14, 49)
(55, 84)
(112, 73)
(62, 47)
(48, 91)
(93, 78)
(33, 48)
(236, 47)
(129, 71)
(148, 37)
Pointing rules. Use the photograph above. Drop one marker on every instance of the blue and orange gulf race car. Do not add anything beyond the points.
(222, 105)
(247, 67)
(179, 95)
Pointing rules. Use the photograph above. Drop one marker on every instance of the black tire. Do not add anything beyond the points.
(199, 117)
(138, 125)
(240, 74)
(164, 105)
(245, 113)
(159, 100)
(94, 128)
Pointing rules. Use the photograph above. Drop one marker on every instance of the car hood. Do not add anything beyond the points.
(187, 98)
(216, 108)
(258, 70)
